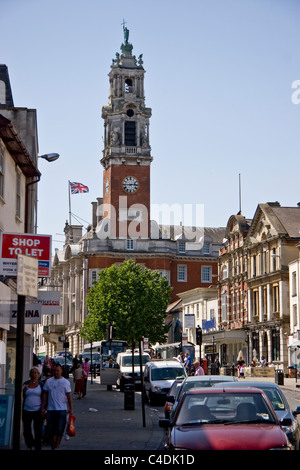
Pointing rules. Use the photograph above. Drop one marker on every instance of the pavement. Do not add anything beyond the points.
(103, 423)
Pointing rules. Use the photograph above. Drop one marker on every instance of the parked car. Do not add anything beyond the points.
(281, 407)
(124, 364)
(225, 419)
(159, 377)
(198, 381)
(64, 353)
(172, 393)
(64, 362)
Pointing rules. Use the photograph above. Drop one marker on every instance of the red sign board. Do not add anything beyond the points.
(14, 244)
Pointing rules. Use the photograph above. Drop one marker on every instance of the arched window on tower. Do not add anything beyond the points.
(130, 134)
(128, 85)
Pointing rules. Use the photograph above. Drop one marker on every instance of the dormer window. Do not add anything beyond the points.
(181, 247)
(206, 248)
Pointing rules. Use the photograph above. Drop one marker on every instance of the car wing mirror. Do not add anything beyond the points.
(164, 423)
(296, 411)
(286, 422)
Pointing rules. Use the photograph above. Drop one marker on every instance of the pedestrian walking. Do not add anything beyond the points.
(31, 415)
(198, 369)
(188, 363)
(79, 375)
(47, 365)
(57, 399)
(86, 367)
(75, 362)
(180, 357)
(241, 367)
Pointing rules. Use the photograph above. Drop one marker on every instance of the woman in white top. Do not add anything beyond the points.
(32, 394)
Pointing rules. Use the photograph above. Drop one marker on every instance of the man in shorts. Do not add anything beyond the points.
(57, 399)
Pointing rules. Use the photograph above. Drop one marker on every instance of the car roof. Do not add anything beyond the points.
(251, 383)
(165, 364)
(226, 389)
(129, 353)
(207, 378)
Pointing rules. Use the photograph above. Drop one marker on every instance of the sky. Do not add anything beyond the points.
(222, 80)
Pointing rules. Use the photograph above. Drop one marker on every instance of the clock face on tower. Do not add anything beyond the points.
(130, 184)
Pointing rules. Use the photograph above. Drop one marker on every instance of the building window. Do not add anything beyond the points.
(130, 134)
(166, 273)
(181, 247)
(224, 305)
(294, 319)
(93, 276)
(206, 274)
(254, 265)
(206, 249)
(18, 195)
(224, 272)
(129, 245)
(274, 257)
(294, 284)
(128, 85)
(1, 173)
(181, 273)
(275, 299)
(255, 303)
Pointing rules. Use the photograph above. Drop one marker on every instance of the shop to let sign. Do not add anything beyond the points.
(36, 246)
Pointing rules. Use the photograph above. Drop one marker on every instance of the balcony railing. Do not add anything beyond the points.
(131, 150)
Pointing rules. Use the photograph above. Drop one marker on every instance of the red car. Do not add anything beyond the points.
(225, 419)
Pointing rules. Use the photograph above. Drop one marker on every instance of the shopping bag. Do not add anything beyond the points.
(71, 426)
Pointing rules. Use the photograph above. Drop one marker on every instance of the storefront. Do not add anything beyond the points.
(226, 345)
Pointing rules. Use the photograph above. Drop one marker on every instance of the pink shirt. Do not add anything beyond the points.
(199, 371)
(86, 368)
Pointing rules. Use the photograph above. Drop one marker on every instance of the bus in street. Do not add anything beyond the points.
(108, 351)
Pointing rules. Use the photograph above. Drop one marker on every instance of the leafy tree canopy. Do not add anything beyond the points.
(130, 298)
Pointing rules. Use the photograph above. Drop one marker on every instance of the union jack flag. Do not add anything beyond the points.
(77, 188)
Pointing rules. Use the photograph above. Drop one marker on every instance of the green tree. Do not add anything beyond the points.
(130, 298)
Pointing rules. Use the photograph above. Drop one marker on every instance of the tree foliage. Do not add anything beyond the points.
(130, 298)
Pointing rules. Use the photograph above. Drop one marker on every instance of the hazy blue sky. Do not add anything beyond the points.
(219, 77)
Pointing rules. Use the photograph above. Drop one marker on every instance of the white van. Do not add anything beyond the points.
(159, 377)
(124, 364)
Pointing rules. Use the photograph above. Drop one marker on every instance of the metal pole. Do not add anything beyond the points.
(142, 384)
(92, 362)
(19, 372)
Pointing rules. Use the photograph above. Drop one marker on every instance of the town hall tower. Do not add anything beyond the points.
(127, 152)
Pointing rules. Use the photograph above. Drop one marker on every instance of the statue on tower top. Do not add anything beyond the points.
(126, 32)
(126, 47)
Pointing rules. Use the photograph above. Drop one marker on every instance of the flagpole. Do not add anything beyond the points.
(69, 203)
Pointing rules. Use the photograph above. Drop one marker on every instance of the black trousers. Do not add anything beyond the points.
(32, 419)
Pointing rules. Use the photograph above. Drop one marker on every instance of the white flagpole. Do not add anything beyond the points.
(69, 203)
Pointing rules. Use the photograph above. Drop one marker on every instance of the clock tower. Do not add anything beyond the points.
(127, 153)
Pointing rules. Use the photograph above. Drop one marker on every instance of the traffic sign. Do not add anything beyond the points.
(27, 276)
(35, 246)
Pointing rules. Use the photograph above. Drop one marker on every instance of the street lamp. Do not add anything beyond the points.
(50, 157)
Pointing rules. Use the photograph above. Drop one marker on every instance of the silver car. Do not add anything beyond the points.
(280, 405)
(198, 381)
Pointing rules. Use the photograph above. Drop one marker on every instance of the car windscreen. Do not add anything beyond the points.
(95, 356)
(229, 408)
(166, 373)
(127, 360)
